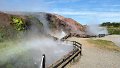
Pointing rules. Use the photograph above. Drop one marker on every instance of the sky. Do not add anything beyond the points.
(83, 11)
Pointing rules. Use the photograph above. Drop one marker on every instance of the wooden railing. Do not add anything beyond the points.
(77, 51)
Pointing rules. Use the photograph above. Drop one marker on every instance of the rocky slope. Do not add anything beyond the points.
(67, 24)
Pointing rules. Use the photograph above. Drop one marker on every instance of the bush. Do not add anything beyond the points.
(1, 36)
(18, 23)
(111, 24)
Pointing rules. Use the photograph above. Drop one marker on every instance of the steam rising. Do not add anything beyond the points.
(96, 30)
(27, 52)
(43, 19)
(59, 34)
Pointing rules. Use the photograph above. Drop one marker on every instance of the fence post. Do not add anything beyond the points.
(43, 61)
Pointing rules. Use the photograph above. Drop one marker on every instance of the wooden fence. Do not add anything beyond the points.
(76, 52)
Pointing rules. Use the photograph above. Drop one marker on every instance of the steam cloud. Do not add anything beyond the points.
(96, 30)
(27, 52)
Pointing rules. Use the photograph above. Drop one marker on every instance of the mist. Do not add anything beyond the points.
(43, 19)
(27, 51)
(95, 30)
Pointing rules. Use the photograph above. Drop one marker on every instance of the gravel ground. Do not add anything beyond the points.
(94, 57)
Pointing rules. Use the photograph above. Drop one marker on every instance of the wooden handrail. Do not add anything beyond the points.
(69, 57)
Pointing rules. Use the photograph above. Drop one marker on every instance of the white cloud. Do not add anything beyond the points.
(89, 13)
(86, 17)
(73, 13)
(24, 5)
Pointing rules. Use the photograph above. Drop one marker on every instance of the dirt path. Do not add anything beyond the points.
(94, 57)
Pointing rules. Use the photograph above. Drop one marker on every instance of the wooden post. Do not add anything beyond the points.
(43, 61)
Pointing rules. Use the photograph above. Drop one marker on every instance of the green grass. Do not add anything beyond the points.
(113, 30)
(104, 44)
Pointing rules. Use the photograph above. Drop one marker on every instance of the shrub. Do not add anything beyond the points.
(1, 36)
(18, 23)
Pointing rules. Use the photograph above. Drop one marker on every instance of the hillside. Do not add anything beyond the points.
(68, 23)
(13, 25)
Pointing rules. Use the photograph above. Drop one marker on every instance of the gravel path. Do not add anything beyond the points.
(94, 57)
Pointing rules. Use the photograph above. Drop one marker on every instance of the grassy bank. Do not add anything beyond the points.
(113, 30)
(104, 44)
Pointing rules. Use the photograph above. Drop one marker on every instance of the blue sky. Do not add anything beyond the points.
(83, 11)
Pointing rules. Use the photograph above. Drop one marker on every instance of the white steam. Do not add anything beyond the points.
(43, 19)
(27, 53)
(50, 48)
(59, 34)
(34, 48)
(96, 30)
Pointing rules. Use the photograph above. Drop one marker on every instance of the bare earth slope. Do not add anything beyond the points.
(94, 57)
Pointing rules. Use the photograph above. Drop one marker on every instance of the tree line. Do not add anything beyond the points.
(113, 24)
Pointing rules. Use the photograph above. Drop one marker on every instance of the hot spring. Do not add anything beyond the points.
(27, 54)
